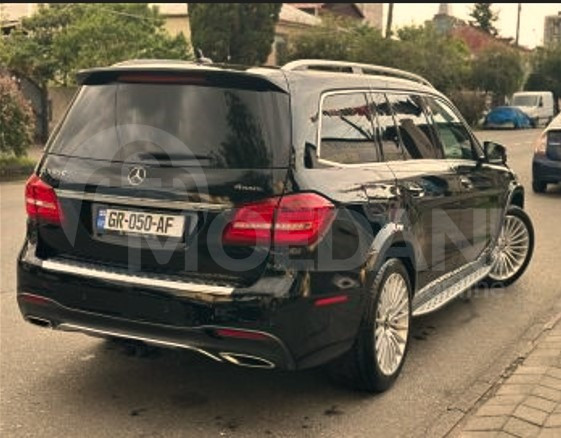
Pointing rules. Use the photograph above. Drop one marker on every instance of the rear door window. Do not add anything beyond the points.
(177, 124)
(388, 135)
(413, 126)
(346, 133)
(454, 137)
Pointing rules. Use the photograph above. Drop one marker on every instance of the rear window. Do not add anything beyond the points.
(177, 124)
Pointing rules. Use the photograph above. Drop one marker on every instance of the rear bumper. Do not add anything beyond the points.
(283, 329)
(267, 352)
(546, 170)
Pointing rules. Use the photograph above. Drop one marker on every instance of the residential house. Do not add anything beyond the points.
(350, 10)
(552, 30)
(475, 39)
(292, 21)
(176, 18)
(12, 13)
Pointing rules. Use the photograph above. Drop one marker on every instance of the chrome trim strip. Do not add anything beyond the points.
(89, 330)
(141, 202)
(233, 358)
(135, 279)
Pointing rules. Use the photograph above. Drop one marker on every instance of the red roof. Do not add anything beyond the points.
(333, 7)
(476, 39)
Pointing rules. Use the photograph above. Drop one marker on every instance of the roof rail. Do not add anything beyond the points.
(355, 68)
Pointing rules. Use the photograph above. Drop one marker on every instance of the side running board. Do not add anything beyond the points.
(444, 289)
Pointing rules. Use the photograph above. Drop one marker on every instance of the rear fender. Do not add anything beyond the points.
(392, 241)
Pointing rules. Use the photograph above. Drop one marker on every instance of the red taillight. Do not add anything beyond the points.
(153, 78)
(34, 299)
(41, 201)
(299, 219)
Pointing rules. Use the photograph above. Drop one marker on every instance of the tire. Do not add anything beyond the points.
(514, 249)
(539, 186)
(363, 366)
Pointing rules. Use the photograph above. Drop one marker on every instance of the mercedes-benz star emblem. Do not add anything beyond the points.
(136, 175)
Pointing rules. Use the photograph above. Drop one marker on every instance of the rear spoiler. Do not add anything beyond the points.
(193, 75)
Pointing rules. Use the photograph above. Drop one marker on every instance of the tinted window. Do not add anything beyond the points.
(454, 137)
(179, 124)
(413, 126)
(387, 132)
(346, 130)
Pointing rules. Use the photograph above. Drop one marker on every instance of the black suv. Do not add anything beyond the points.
(267, 217)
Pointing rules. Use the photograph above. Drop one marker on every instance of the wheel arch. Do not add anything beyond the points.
(396, 245)
(517, 197)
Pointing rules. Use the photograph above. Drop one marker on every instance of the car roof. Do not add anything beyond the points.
(531, 93)
(276, 75)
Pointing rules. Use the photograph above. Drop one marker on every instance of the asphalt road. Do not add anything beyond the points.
(62, 384)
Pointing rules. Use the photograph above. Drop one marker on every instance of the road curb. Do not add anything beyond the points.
(450, 423)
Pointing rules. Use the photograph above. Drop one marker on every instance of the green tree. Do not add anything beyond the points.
(499, 70)
(60, 39)
(335, 39)
(239, 33)
(442, 59)
(418, 50)
(484, 17)
(546, 65)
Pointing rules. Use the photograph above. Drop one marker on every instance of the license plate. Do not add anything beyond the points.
(137, 222)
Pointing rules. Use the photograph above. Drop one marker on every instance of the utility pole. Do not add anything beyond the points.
(518, 24)
(389, 23)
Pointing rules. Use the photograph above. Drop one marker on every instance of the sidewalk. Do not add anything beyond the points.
(528, 402)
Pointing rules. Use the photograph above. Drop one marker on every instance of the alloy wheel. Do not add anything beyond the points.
(392, 324)
(512, 249)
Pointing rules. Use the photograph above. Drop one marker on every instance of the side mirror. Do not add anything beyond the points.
(494, 153)
(541, 103)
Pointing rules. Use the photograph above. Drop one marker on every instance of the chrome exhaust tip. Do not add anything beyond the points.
(246, 360)
(40, 322)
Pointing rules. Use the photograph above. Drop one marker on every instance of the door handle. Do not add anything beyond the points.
(415, 190)
(466, 182)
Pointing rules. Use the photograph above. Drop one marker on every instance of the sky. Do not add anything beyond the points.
(531, 21)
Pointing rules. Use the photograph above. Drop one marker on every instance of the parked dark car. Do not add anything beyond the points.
(507, 117)
(272, 218)
(546, 164)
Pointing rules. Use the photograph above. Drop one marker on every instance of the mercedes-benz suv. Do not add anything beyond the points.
(266, 217)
